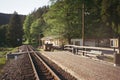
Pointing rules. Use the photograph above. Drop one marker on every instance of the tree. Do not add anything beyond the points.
(15, 31)
(37, 28)
(27, 26)
(40, 12)
(94, 26)
(63, 19)
(3, 30)
(110, 14)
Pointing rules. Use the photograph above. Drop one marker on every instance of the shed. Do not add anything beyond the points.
(51, 40)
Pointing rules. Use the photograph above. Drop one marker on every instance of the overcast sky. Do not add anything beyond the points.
(21, 6)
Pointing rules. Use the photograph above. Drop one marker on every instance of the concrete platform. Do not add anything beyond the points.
(84, 68)
(13, 55)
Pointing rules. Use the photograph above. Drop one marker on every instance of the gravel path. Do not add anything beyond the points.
(84, 68)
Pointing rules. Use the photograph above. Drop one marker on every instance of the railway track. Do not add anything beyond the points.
(32, 65)
(40, 68)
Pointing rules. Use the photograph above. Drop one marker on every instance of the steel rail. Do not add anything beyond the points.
(49, 69)
(35, 72)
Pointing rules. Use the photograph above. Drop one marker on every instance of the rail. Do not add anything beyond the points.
(35, 72)
(55, 77)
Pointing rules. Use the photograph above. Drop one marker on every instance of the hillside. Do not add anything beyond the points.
(4, 18)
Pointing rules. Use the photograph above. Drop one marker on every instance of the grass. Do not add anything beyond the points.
(109, 59)
(26, 42)
(106, 58)
(3, 52)
(2, 61)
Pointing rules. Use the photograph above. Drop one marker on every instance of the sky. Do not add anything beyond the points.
(21, 6)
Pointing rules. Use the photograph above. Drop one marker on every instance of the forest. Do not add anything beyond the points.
(63, 18)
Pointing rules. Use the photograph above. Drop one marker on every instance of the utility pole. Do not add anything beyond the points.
(83, 24)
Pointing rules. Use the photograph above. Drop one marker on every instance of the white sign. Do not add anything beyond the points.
(113, 42)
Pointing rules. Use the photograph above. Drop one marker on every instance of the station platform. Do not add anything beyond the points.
(84, 68)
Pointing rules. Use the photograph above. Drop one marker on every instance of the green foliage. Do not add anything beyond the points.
(34, 24)
(15, 31)
(37, 28)
(27, 26)
(40, 12)
(51, 19)
(64, 19)
(3, 52)
(3, 31)
(111, 14)
(2, 61)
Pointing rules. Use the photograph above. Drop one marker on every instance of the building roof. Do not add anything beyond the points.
(50, 37)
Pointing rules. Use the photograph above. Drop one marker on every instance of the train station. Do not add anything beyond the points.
(60, 40)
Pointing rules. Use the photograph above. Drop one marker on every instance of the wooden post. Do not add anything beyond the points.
(83, 25)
